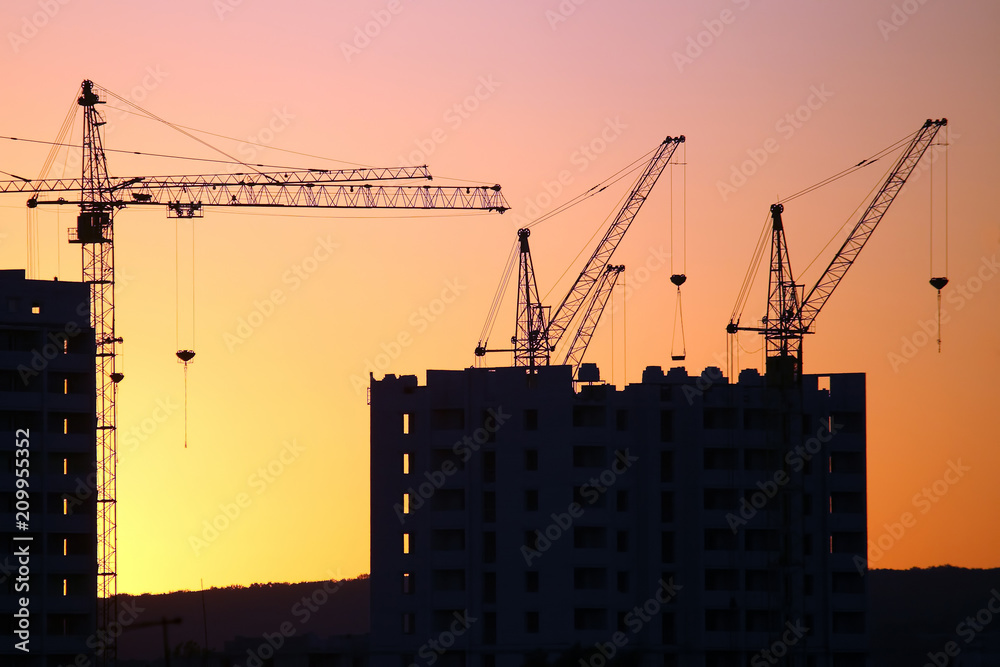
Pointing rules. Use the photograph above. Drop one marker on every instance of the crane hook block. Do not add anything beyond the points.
(117, 377)
(185, 355)
(678, 279)
(939, 283)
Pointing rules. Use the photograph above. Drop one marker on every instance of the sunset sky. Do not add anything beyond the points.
(546, 99)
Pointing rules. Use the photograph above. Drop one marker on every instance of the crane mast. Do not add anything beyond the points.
(101, 196)
(790, 315)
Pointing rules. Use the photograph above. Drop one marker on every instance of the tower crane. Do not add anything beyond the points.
(790, 316)
(100, 196)
(536, 334)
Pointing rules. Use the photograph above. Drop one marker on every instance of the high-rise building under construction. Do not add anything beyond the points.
(684, 520)
(48, 525)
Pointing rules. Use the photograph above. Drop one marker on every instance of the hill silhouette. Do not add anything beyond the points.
(911, 613)
(239, 611)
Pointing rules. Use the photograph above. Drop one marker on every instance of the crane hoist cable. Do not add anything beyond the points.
(678, 279)
(939, 282)
(184, 355)
(761, 247)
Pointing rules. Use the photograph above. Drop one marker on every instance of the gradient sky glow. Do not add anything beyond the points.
(509, 93)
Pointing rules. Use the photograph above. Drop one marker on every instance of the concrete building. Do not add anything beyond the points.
(684, 520)
(48, 539)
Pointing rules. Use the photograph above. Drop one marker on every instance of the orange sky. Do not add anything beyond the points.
(509, 93)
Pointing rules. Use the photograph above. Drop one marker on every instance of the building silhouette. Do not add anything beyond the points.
(684, 520)
(48, 540)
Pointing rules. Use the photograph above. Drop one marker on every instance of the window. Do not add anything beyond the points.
(406, 503)
(408, 623)
(847, 502)
(762, 620)
(586, 618)
(490, 587)
(623, 581)
(407, 583)
(666, 466)
(722, 580)
(531, 459)
(531, 500)
(448, 500)
(850, 583)
(489, 547)
(621, 420)
(590, 578)
(589, 416)
(667, 547)
(531, 622)
(722, 620)
(720, 539)
(448, 581)
(849, 622)
(531, 581)
(719, 418)
(847, 462)
(622, 541)
(762, 540)
(406, 540)
(666, 425)
(848, 543)
(666, 506)
(448, 419)
(717, 458)
(589, 456)
(721, 499)
(489, 506)
(406, 464)
(621, 501)
(761, 581)
(489, 467)
(406, 423)
(531, 420)
(35, 309)
(589, 537)
(448, 539)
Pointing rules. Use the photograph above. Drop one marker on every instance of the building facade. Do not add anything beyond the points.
(48, 539)
(684, 520)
